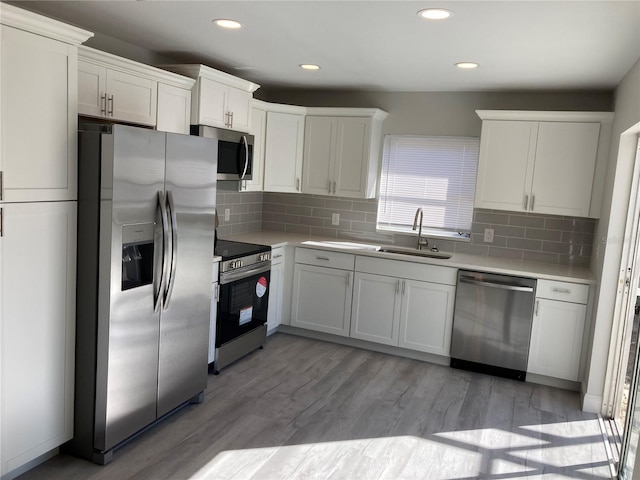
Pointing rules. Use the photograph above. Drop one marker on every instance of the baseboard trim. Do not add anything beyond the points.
(592, 403)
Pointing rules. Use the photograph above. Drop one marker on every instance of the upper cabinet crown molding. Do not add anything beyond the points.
(546, 116)
(374, 113)
(197, 71)
(130, 66)
(40, 25)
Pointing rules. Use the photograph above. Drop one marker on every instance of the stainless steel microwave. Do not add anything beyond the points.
(235, 151)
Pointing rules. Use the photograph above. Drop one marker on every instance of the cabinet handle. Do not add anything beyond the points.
(349, 279)
(525, 202)
(537, 306)
(103, 104)
(297, 184)
(322, 258)
(1, 185)
(110, 99)
(329, 187)
(334, 187)
(533, 200)
(230, 119)
(398, 286)
(560, 290)
(1, 223)
(404, 286)
(277, 256)
(217, 294)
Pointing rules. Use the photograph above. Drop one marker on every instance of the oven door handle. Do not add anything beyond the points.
(229, 277)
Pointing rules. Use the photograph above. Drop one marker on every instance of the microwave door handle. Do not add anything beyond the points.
(171, 277)
(162, 267)
(246, 156)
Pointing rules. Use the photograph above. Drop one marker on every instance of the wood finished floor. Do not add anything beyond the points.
(306, 409)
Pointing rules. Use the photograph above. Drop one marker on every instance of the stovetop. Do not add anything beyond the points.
(230, 250)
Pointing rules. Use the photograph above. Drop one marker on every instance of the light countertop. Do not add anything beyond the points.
(545, 271)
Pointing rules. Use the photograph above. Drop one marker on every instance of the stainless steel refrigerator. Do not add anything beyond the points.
(146, 203)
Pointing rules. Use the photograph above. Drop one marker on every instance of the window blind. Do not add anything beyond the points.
(435, 173)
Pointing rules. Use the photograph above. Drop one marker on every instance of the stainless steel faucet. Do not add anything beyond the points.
(422, 242)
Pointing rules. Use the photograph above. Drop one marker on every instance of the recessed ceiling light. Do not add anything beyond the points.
(435, 13)
(467, 65)
(227, 23)
(310, 66)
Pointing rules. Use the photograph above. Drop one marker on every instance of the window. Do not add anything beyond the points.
(435, 173)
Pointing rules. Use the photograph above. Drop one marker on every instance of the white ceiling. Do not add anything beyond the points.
(382, 45)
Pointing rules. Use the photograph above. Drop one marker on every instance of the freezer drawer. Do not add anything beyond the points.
(492, 323)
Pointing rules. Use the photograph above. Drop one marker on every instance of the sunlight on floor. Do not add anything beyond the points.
(561, 450)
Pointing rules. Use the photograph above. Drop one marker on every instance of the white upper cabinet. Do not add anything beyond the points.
(283, 149)
(174, 109)
(543, 162)
(218, 99)
(342, 151)
(38, 107)
(116, 88)
(259, 131)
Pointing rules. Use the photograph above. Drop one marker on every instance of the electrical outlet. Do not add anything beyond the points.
(227, 214)
(335, 219)
(488, 235)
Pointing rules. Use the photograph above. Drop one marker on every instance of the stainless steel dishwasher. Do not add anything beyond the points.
(492, 323)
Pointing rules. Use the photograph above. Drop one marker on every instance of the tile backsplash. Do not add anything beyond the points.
(520, 236)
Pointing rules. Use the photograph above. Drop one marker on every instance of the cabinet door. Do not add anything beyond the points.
(375, 314)
(426, 317)
(131, 98)
(174, 109)
(92, 84)
(37, 315)
(211, 104)
(321, 299)
(564, 168)
(319, 155)
(258, 130)
(283, 152)
(556, 339)
(352, 157)
(239, 105)
(274, 312)
(505, 165)
(39, 116)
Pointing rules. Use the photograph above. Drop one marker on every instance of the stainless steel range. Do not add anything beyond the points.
(245, 275)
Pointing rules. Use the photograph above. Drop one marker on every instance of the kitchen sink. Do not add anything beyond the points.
(416, 253)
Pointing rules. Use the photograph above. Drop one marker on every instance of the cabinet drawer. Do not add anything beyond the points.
(563, 291)
(324, 258)
(277, 255)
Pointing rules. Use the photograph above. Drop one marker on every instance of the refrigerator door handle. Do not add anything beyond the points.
(171, 216)
(157, 294)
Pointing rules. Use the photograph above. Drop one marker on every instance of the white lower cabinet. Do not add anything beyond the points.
(407, 313)
(426, 317)
(557, 330)
(37, 316)
(322, 291)
(322, 299)
(276, 292)
(375, 314)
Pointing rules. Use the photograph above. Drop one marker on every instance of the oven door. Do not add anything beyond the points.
(244, 297)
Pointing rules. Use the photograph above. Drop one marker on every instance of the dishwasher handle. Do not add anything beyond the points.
(503, 286)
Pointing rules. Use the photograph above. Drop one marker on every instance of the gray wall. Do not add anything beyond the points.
(609, 235)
